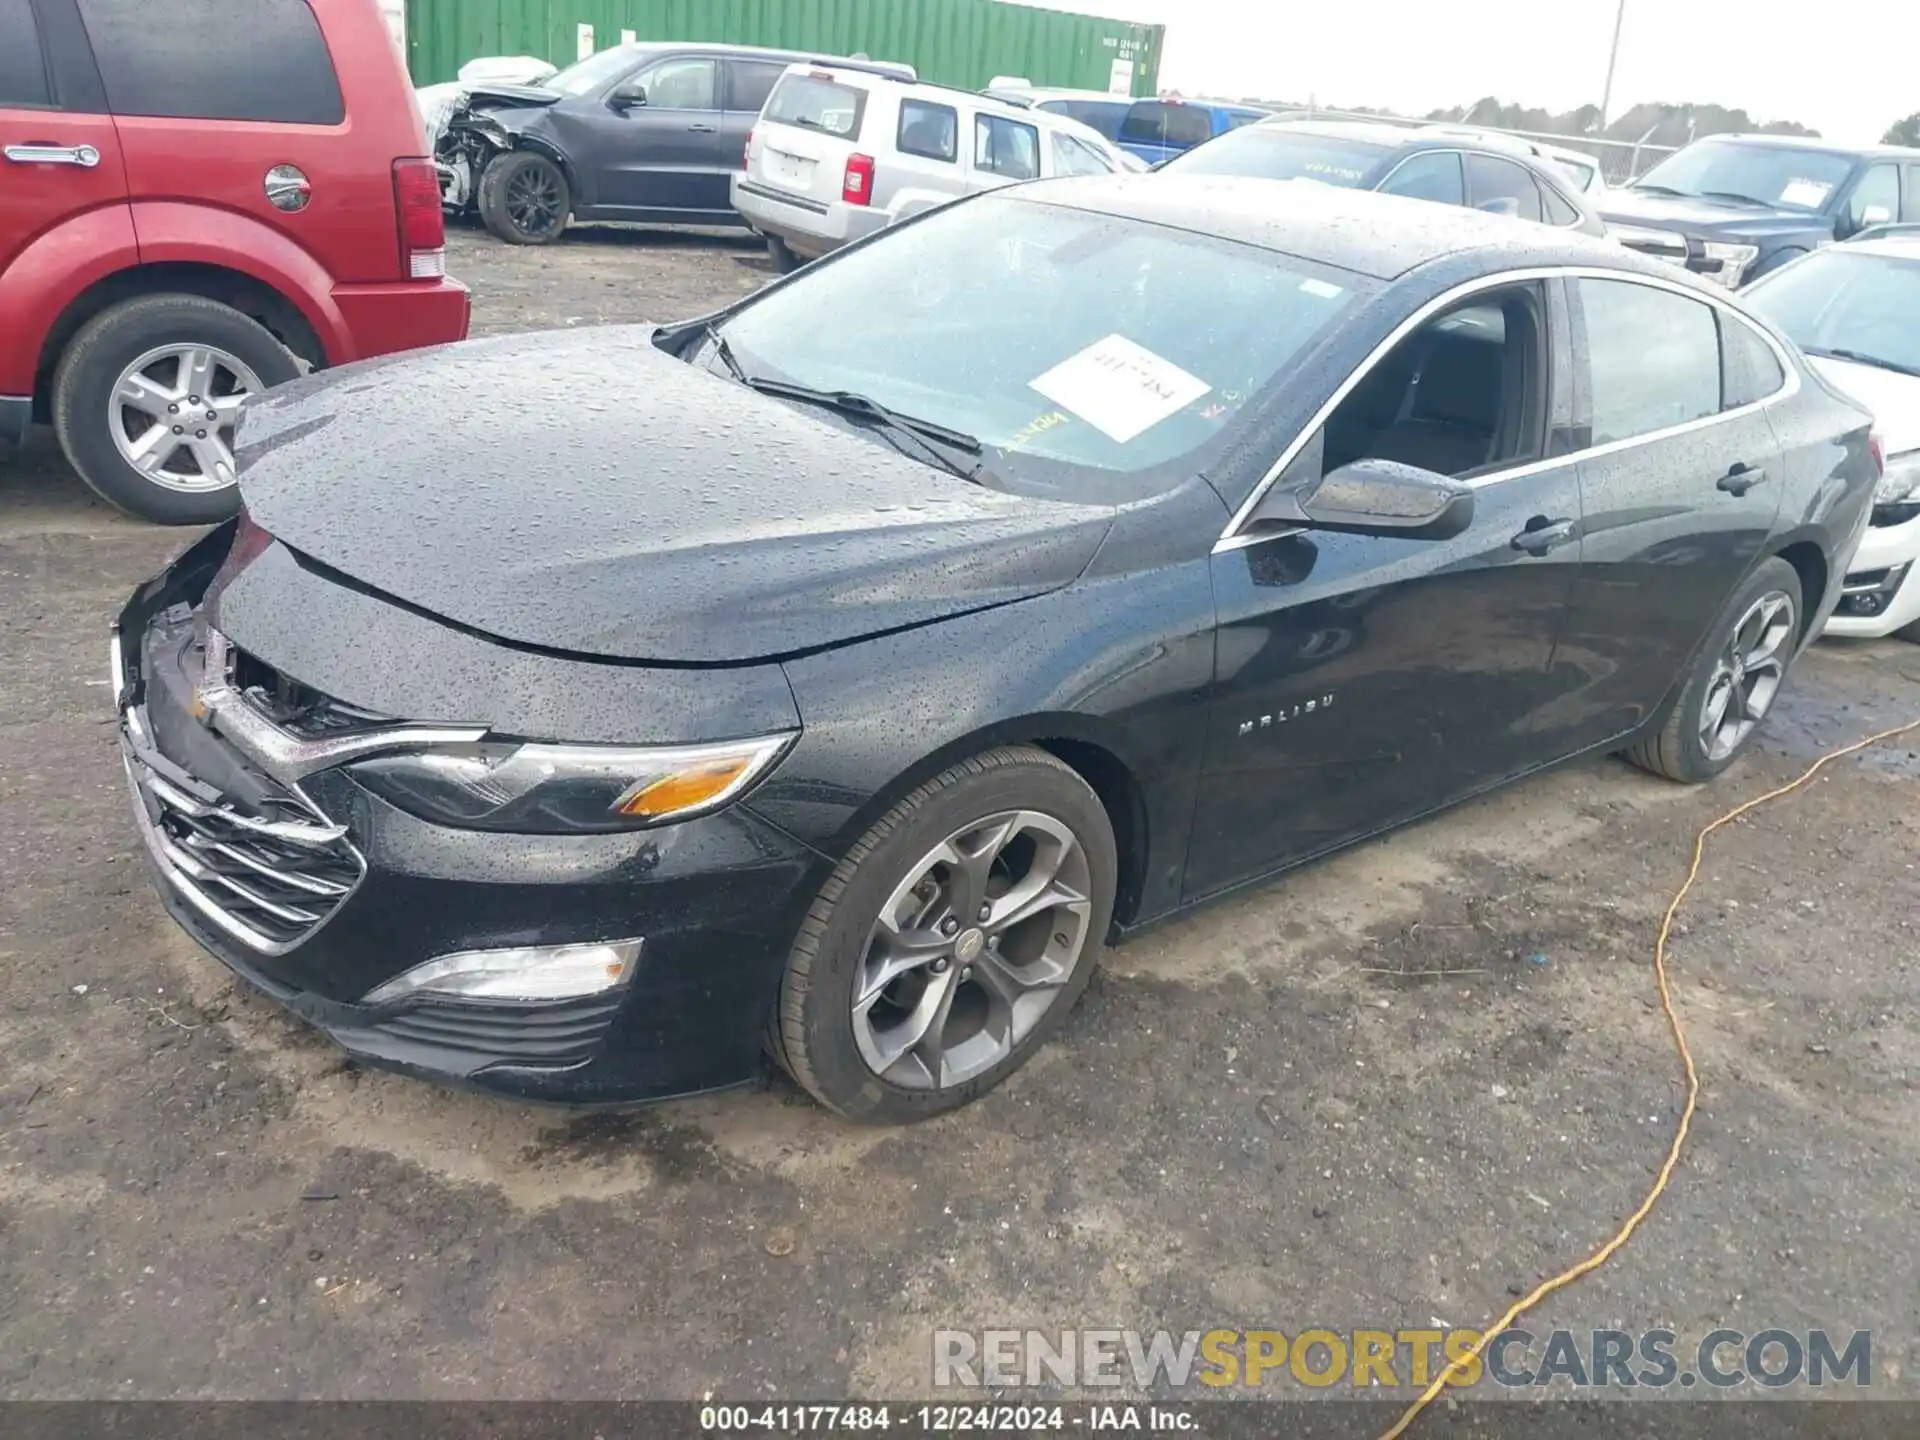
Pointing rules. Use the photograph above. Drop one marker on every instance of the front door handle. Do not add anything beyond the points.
(1542, 535)
(1741, 478)
(85, 156)
(699, 129)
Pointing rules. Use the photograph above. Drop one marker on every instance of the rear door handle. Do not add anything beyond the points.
(704, 129)
(85, 156)
(1539, 538)
(1742, 478)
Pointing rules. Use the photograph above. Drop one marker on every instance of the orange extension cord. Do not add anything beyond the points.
(1599, 1257)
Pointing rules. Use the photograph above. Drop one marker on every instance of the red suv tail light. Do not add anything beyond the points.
(857, 187)
(423, 230)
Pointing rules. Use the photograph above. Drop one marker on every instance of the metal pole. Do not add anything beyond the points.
(1613, 55)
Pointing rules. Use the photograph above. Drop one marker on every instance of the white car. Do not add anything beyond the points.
(1855, 310)
(838, 154)
(1578, 167)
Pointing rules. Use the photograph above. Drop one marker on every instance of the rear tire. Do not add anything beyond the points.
(784, 260)
(524, 198)
(1910, 633)
(994, 984)
(1744, 659)
(142, 345)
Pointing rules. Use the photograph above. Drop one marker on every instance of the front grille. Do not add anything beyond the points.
(268, 880)
(556, 1034)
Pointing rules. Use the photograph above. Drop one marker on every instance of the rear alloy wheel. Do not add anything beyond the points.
(525, 198)
(1734, 680)
(146, 398)
(952, 940)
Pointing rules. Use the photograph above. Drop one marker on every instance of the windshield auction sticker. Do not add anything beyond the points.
(1120, 388)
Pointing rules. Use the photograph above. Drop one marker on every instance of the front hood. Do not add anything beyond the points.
(481, 97)
(1712, 219)
(1893, 398)
(582, 491)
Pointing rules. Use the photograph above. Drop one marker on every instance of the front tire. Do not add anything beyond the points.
(1733, 681)
(524, 198)
(951, 942)
(146, 398)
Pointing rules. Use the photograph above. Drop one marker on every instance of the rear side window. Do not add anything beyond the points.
(929, 130)
(23, 70)
(1434, 176)
(1752, 369)
(198, 59)
(752, 82)
(1654, 358)
(1154, 122)
(814, 102)
(1005, 147)
(1103, 115)
(1559, 210)
(1502, 187)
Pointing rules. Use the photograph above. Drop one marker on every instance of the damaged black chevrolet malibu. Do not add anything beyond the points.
(579, 715)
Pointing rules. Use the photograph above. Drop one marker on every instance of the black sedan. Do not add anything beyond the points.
(575, 715)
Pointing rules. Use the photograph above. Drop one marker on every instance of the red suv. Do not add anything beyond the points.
(193, 204)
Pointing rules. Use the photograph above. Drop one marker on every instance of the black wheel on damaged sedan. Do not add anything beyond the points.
(524, 198)
(952, 940)
(1733, 682)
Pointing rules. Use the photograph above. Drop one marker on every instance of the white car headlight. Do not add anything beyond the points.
(1734, 260)
(1900, 482)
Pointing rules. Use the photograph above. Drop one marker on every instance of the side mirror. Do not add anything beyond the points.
(627, 96)
(1506, 205)
(1875, 215)
(1375, 497)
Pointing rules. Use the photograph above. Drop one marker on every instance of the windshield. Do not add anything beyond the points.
(1102, 115)
(1095, 357)
(1764, 174)
(596, 70)
(1272, 152)
(1838, 299)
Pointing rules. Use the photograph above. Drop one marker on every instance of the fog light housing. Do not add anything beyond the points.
(526, 974)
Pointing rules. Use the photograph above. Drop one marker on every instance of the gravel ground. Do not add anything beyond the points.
(1388, 1091)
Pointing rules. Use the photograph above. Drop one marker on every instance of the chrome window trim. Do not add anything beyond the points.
(1232, 538)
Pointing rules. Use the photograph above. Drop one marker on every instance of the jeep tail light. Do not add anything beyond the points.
(857, 187)
(1877, 452)
(423, 229)
(746, 150)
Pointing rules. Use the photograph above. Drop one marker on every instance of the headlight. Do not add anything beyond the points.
(541, 789)
(1900, 481)
(1734, 260)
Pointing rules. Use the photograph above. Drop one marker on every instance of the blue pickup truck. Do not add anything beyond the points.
(1157, 130)
(1734, 207)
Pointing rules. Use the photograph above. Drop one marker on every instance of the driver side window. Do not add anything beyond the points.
(1463, 394)
(689, 84)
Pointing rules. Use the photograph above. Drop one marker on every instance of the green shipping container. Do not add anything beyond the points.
(951, 42)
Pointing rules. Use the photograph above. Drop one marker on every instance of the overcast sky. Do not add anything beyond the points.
(1849, 68)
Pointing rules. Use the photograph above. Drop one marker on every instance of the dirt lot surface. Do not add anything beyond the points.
(1388, 1091)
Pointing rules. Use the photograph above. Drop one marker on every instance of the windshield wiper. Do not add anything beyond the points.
(928, 436)
(1860, 357)
(725, 352)
(1657, 189)
(1734, 196)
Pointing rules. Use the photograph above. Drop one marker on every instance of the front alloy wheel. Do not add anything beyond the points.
(951, 941)
(972, 948)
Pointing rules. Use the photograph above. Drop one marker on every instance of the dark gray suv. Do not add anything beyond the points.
(646, 132)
